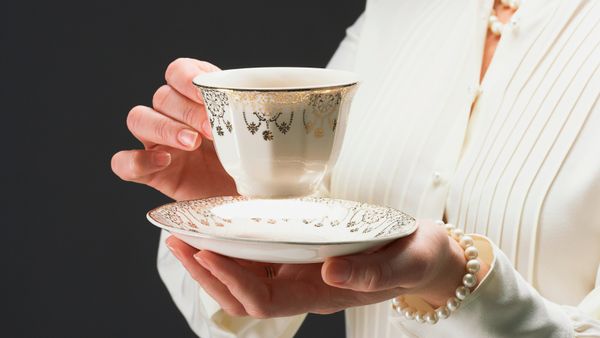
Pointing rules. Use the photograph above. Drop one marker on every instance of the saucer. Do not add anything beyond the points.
(295, 230)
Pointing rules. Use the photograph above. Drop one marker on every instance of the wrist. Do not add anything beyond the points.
(435, 300)
(443, 285)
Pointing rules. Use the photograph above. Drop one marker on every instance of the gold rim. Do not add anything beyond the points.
(275, 90)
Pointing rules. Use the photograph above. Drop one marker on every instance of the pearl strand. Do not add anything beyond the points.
(460, 294)
(495, 25)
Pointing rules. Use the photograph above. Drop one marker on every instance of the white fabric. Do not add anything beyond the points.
(519, 166)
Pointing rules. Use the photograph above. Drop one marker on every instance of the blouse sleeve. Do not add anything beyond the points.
(345, 56)
(505, 305)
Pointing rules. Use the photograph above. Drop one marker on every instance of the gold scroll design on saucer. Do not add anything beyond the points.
(376, 221)
(364, 218)
(268, 119)
(322, 114)
(191, 215)
(217, 103)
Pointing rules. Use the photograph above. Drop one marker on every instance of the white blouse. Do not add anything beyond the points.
(515, 159)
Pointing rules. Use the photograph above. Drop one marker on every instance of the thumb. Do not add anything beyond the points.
(391, 267)
(361, 273)
(139, 165)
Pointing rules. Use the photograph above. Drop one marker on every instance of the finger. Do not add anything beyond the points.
(139, 165)
(171, 103)
(285, 297)
(217, 290)
(182, 71)
(264, 298)
(252, 292)
(152, 127)
(391, 267)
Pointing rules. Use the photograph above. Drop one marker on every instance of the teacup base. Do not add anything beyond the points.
(275, 190)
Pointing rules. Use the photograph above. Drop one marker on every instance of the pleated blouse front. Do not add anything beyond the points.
(516, 159)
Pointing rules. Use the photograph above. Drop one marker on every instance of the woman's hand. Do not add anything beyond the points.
(428, 264)
(176, 160)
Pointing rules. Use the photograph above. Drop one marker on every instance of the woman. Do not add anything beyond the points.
(507, 149)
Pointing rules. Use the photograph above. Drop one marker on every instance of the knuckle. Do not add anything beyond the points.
(162, 130)
(191, 116)
(372, 277)
(160, 96)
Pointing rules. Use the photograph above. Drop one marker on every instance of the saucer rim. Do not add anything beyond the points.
(397, 235)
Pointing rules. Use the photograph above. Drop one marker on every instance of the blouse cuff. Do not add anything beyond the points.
(210, 305)
(502, 305)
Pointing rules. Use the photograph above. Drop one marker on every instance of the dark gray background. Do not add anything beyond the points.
(78, 254)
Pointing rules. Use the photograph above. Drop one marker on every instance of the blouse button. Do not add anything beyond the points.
(514, 22)
(436, 178)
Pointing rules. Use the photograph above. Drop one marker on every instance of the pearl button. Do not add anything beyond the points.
(436, 178)
(514, 23)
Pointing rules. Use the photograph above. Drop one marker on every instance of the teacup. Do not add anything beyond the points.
(277, 130)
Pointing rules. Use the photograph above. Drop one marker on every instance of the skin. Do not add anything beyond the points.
(179, 160)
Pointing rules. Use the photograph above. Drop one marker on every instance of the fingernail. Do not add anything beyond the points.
(206, 128)
(187, 137)
(161, 158)
(173, 250)
(339, 271)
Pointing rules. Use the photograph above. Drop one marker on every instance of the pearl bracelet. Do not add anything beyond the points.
(468, 282)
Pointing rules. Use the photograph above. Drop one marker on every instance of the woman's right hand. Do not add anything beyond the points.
(178, 158)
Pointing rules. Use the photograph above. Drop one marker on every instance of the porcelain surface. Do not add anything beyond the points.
(277, 130)
(296, 230)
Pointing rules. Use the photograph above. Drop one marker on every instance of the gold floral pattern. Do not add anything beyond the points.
(324, 113)
(264, 109)
(217, 103)
(371, 220)
(268, 119)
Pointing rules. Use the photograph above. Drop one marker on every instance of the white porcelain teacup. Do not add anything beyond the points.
(277, 130)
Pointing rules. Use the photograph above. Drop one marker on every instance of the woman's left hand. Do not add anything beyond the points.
(428, 263)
